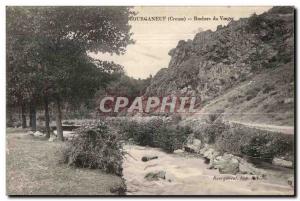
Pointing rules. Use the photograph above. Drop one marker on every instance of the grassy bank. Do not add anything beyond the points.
(32, 168)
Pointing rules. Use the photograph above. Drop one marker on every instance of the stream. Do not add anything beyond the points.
(187, 174)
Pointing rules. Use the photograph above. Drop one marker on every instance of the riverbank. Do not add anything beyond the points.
(33, 168)
(187, 174)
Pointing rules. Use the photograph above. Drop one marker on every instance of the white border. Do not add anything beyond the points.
(115, 3)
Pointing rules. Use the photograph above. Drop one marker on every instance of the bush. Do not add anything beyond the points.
(266, 146)
(231, 141)
(255, 143)
(176, 118)
(212, 130)
(214, 116)
(143, 133)
(170, 138)
(95, 147)
(156, 133)
(251, 93)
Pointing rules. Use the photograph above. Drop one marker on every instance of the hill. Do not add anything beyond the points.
(245, 68)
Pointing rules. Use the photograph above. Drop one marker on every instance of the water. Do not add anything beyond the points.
(189, 175)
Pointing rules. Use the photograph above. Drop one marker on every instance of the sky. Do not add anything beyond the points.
(154, 39)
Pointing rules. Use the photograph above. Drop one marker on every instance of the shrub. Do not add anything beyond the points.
(231, 141)
(267, 145)
(255, 143)
(95, 147)
(212, 130)
(176, 118)
(214, 116)
(170, 138)
(127, 129)
(143, 133)
(252, 93)
(156, 133)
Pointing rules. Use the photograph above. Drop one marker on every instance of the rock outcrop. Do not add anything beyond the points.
(283, 163)
(193, 145)
(154, 176)
(215, 61)
(227, 164)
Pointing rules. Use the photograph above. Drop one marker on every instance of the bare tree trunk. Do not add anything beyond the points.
(23, 115)
(59, 129)
(9, 117)
(32, 114)
(47, 116)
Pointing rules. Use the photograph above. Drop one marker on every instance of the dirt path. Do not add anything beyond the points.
(186, 175)
(32, 168)
(289, 130)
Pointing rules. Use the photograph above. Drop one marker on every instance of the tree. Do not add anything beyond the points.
(21, 76)
(69, 33)
(61, 38)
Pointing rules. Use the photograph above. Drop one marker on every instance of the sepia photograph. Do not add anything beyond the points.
(150, 101)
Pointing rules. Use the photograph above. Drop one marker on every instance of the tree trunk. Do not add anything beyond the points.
(47, 116)
(32, 119)
(23, 114)
(59, 129)
(9, 117)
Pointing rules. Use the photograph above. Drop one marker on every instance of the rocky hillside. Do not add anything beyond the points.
(258, 49)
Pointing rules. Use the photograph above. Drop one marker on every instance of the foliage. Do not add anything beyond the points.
(48, 52)
(170, 138)
(22, 82)
(212, 129)
(254, 143)
(156, 133)
(128, 86)
(95, 147)
(143, 133)
(209, 132)
(214, 116)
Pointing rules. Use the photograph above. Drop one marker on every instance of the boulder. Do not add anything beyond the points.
(291, 181)
(193, 146)
(209, 153)
(38, 134)
(154, 176)
(30, 133)
(227, 164)
(282, 163)
(178, 151)
(148, 158)
(248, 168)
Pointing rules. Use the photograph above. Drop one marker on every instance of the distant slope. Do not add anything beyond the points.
(266, 98)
